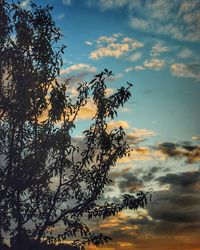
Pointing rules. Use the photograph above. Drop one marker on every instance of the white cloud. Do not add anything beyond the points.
(106, 5)
(106, 39)
(114, 46)
(195, 138)
(117, 35)
(128, 69)
(114, 77)
(112, 4)
(177, 19)
(25, 4)
(185, 53)
(67, 2)
(134, 44)
(61, 16)
(134, 57)
(189, 18)
(155, 64)
(112, 50)
(158, 48)
(170, 30)
(186, 70)
(88, 43)
(78, 67)
(139, 68)
(136, 68)
(139, 23)
(188, 6)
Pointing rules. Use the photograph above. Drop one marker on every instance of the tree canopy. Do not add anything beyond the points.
(45, 178)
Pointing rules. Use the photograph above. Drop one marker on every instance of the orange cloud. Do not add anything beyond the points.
(143, 154)
(88, 111)
(190, 152)
(139, 135)
(116, 124)
(114, 46)
(112, 50)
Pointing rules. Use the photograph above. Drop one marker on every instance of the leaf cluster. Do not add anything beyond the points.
(45, 179)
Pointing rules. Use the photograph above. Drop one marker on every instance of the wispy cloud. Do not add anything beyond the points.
(61, 16)
(185, 53)
(135, 56)
(107, 4)
(154, 64)
(178, 19)
(134, 68)
(139, 23)
(158, 48)
(139, 68)
(128, 69)
(114, 46)
(67, 2)
(186, 70)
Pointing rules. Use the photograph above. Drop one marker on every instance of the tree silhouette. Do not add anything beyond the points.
(46, 179)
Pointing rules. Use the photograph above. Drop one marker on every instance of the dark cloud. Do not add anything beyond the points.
(126, 181)
(171, 207)
(171, 219)
(129, 183)
(150, 174)
(190, 152)
(181, 179)
(176, 209)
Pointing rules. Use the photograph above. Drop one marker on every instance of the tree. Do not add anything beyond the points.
(45, 179)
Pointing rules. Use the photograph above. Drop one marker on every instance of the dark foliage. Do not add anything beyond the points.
(29, 244)
(44, 178)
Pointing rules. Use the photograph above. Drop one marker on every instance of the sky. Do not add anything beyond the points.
(154, 44)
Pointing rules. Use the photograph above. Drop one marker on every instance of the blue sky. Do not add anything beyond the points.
(154, 44)
(163, 63)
